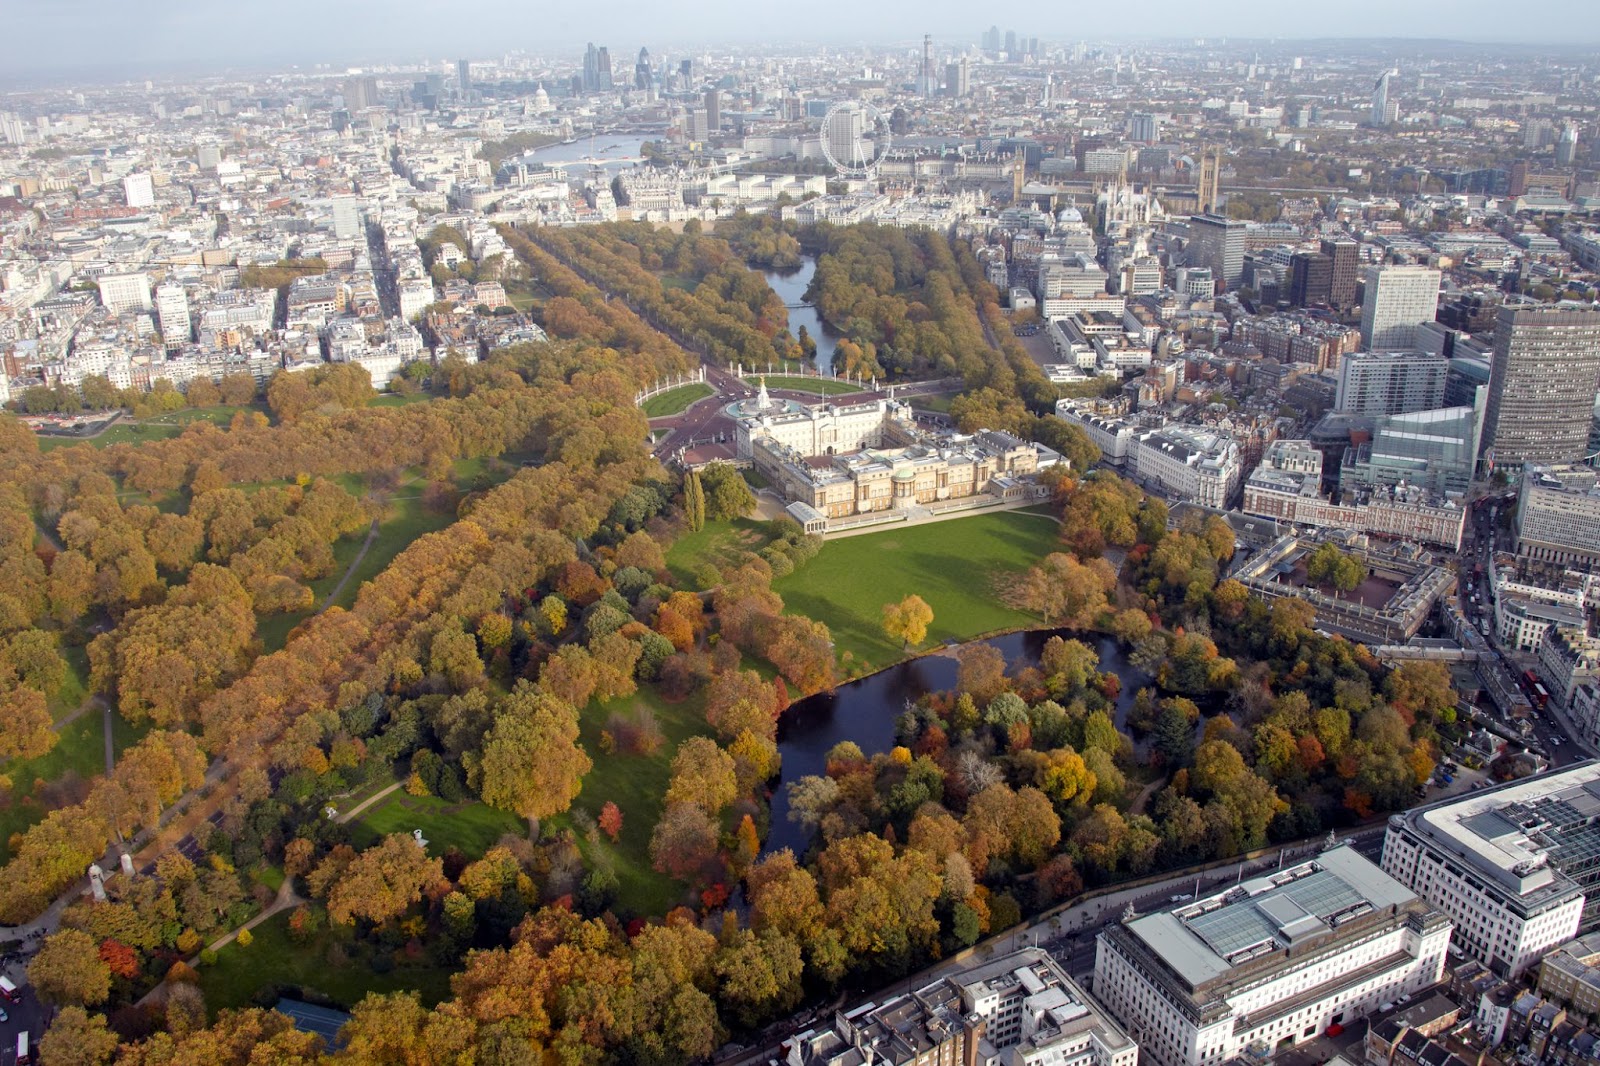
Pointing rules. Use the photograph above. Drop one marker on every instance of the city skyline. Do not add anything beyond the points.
(69, 39)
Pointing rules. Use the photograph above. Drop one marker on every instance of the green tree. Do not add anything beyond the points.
(726, 494)
(532, 763)
(1331, 567)
(694, 501)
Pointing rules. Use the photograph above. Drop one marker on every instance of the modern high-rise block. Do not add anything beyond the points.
(463, 76)
(958, 78)
(1398, 299)
(1143, 127)
(713, 110)
(138, 190)
(643, 76)
(1542, 385)
(1344, 253)
(1384, 110)
(1567, 146)
(1310, 279)
(1391, 383)
(597, 70)
(1218, 243)
(172, 313)
(360, 93)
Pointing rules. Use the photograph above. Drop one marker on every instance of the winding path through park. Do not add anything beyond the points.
(372, 535)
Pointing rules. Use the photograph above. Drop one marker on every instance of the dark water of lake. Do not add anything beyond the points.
(864, 711)
(791, 285)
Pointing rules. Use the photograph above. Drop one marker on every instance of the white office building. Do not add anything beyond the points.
(124, 292)
(1270, 963)
(1190, 464)
(172, 312)
(139, 190)
(415, 296)
(1391, 383)
(1398, 299)
(1510, 865)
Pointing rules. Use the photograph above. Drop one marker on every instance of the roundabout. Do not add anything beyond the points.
(761, 404)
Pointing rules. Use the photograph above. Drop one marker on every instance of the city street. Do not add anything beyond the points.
(1552, 733)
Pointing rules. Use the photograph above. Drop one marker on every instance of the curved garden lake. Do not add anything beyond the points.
(791, 285)
(864, 711)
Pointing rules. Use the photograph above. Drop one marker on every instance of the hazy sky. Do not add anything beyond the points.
(119, 38)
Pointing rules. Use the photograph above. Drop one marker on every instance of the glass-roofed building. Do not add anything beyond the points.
(1517, 866)
(1435, 450)
(1270, 963)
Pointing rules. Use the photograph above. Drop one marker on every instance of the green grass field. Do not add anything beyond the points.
(407, 520)
(75, 688)
(718, 544)
(121, 433)
(321, 965)
(78, 757)
(953, 565)
(675, 400)
(937, 404)
(820, 386)
(467, 825)
(636, 784)
(394, 399)
(160, 427)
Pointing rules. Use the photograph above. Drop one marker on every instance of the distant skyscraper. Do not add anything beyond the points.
(958, 78)
(713, 110)
(463, 77)
(12, 129)
(1217, 243)
(927, 81)
(172, 312)
(1542, 385)
(1398, 300)
(1208, 179)
(1537, 132)
(1343, 251)
(1011, 44)
(1384, 110)
(603, 79)
(991, 39)
(591, 68)
(360, 93)
(643, 76)
(138, 190)
(1143, 127)
(1567, 146)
